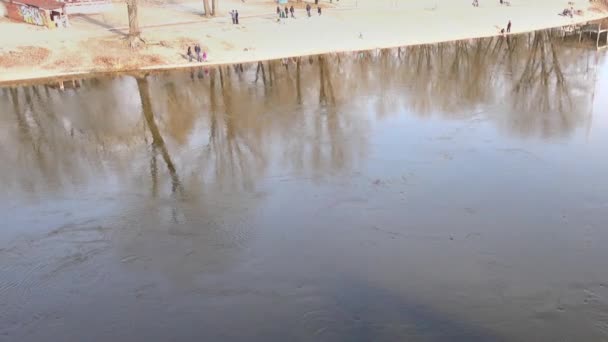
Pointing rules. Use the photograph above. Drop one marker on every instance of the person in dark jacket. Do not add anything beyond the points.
(308, 8)
(292, 10)
(236, 17)
(509, 27)
(197, 50)
(189, 53)
(319, 10)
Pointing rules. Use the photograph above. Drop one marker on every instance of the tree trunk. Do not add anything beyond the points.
(134, 33)
(207, 8)
(214, 8)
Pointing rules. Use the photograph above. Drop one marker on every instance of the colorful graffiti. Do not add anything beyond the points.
(32, 15)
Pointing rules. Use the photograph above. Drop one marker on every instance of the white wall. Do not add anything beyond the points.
(2, 9)
(89, 8)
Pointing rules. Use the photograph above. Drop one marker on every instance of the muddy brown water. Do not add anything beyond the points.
(454, 192)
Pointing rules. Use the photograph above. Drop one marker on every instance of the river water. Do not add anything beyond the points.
(452, 192)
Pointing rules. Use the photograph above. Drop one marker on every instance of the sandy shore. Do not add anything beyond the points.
(96, 43)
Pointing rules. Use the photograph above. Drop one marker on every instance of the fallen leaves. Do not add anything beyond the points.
(24, 56)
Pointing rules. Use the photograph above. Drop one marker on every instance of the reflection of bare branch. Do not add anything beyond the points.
(230, 153)
(325, 81)
(542, 77)
(298, 82)
(154, 172)
(271, 76)
(257, 73)
(23, 127)
(527, 81)
(157, 139)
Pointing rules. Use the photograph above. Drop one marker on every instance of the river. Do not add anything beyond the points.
(451, 192)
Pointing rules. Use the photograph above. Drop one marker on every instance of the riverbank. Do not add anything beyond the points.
(96, 44)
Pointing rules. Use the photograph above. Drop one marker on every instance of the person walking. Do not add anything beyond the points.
(189, 54)
(236, 17)
(308, 8)
(197, 50)
(279, 11)
(509, 27)
(319, 10)
(292, 10)
(233, 17)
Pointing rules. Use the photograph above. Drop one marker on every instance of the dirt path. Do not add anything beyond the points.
(95, 43)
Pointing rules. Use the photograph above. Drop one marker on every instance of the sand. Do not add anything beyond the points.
(95, 43)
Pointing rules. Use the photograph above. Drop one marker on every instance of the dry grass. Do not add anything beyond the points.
(97, 44)
(115, 55)
(24, 56)
(600, 4)
(181, 43)
(151, 60)
(126, 62)
(67, 63)
(107, 61)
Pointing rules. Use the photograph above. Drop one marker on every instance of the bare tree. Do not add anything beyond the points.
(207, 8)
(134, 32)
(214, 7)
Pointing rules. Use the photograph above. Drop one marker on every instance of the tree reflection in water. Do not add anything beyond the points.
(158, 143)
(230, 126)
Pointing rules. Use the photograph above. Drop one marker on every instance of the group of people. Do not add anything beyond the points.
(570, 12)
(290, 11)
(285, 14)
(502, 2)
(235, 17)
(508, 28)
(197, 53)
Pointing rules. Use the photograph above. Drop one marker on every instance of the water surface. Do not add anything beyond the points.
(452, 192)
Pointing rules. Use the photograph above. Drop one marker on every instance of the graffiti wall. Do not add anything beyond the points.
(32, 15)
(28, 14)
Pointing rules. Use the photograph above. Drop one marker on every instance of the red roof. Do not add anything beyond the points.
(44, 4)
